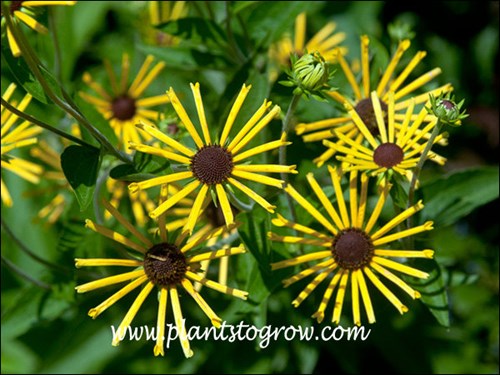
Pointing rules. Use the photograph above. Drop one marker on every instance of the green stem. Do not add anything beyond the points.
(23, 274)
(418, 170)
(34, 65)
(232, 41)
(43, 125)
(55, 41)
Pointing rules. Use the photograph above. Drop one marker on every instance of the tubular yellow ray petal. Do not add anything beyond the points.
(249, 125)
(45, 3)
(427, 253)
(14, 47)
(152, 101)
(181, 112)
(319, 315)
(258, 178)
(398, 219)
(419, 82)
(379, 116)
(97, 262)
(354, 143)
(194, 215)
(362, 128)
(349, 75)
(336, 176)
(92, 285)
(225, 206)
(325, 47)
(406, 72)
(150, 76)
(390, 117)
(201, 111)
(318, 125)
(320, 36)
(310, 288)
(205, 233)
(266, 168)
(365, 295)
(396, 280)
(159, 152)
(406, 122)
(335, 95)
(223, 271)
(310, 209)
(216, 321)
(114, 236)
(179, 322)
(188, 189)
(6, 197)
(253, 195)
(146, 184)
(112, 77)
(124, 73)
(325, 202)
(378, 208)
(385, 291)
(233, 113)
(325, 156)
(353, 195)
(402, 47)
(318, 136)
(405, 233)
(256, 129)
(339, 300)
(12, 146)
(362, 201)
(140, 75)
(99, 103)
(280, 221)
(300, 33)
(323, 266)
(291, 239)
(114, 212)
(400, 267)
(301, 259)
(261, 149)
(356, 316)
(103, 306)
(178, 10)
(31, 22)
(365, 65)
(165, 139)
(160, 322)
(353, 152)
(132, 312)
(217, 286)
(210, 255)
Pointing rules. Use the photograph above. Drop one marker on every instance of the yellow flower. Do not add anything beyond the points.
(325, 41)
(361, 100)
(353, 247)
(21, 11)
(160, 12)
(124, 107)
(399, 146)
(172, 265)
(214, 164)
(15, 136)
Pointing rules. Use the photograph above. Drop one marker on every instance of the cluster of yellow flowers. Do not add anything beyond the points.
(385, 132)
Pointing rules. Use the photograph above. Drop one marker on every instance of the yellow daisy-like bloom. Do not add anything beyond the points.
(361, 100)
(15, 136)
(352, 248)
(389, 152)
(160, 12)
(214, 164)
(21, 12)
(125, 106)
(169, 265)
(325, 41)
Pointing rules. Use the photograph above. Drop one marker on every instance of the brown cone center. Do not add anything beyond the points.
(365, 111)
(165, 264)
(123, 108)
(212, 164)
(352, 248)
(388, 155)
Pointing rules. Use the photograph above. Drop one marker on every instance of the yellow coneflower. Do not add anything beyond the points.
(160, 12)
(125, 105)
(21, 11)
(352, 248)
(214, 164)
(170, 265)
(390, 81)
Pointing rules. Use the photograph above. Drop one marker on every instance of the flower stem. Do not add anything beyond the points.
(23, 274)
(43, 125)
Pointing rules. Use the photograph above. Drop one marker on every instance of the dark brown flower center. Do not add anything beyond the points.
(123, 108)
(14, 5)
(212, 164)
(165, 264)
(365, 111)
(388, 155)
(352, 249)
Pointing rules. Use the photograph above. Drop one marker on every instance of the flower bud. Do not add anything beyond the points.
(446, 110)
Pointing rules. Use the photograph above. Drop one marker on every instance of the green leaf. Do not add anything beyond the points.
(80, 166)
(197, 30)
(433, 290)
(144, 166)
(455, 195)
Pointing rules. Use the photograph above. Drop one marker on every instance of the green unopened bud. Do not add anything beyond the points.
(447, 110)
(310, 75)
